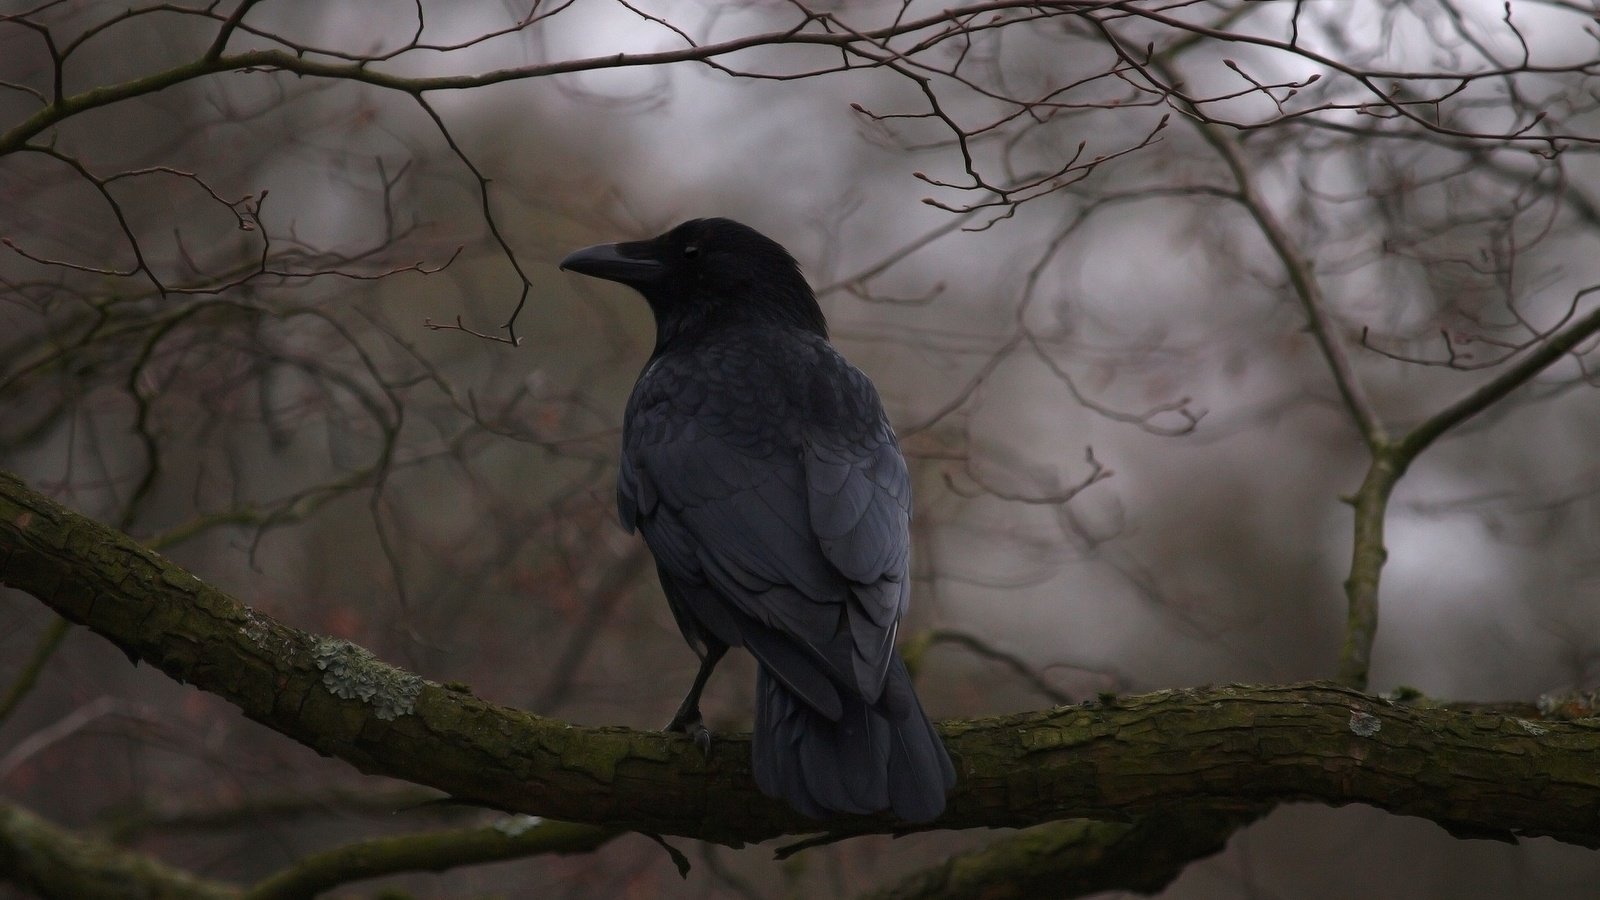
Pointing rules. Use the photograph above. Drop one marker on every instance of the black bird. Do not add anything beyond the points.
(769, 486)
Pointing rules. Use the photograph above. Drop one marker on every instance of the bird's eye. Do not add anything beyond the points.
(691, 252)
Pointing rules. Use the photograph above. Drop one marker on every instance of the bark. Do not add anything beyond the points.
(1232, 749)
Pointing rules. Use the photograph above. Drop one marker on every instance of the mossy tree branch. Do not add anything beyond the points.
(1229, 749)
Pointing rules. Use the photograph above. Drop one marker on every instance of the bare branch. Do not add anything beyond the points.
(512, 837)
(1550, 351)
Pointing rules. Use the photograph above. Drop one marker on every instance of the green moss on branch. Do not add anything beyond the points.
(1229, 748)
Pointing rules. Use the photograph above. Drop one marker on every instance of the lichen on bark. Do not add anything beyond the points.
(353, 673)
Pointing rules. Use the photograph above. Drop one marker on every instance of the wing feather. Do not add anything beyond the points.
(791, 503)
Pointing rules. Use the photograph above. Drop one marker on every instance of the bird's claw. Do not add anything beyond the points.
(695, 728)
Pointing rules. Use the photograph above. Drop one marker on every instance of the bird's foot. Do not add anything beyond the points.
(689, 722)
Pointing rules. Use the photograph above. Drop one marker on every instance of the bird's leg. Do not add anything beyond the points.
(687, 720)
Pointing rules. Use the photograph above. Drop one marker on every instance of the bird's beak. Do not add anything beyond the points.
(625, 263)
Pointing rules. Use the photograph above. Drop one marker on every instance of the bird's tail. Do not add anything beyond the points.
(877, 756)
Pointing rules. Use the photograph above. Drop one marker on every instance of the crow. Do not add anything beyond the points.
(768, 484)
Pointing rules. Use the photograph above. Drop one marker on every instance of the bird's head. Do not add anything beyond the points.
(705, 272)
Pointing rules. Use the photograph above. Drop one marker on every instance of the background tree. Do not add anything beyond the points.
(1148, 287)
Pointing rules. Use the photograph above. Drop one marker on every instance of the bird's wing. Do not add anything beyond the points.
(858, 495)
(790, 504)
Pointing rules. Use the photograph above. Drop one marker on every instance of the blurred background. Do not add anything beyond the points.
(216, 311)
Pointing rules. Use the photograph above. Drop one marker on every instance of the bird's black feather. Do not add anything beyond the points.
(764, 476)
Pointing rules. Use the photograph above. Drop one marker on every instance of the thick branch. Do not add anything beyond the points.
(1230, 748)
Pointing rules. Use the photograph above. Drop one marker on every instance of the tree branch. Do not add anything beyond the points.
(55, 863)
(1486, 394)
(1076, 858)
(1368, 552)
(514, 837)
(1229, 748)
(1389, 463)
(361, 70)
(1307, 288)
